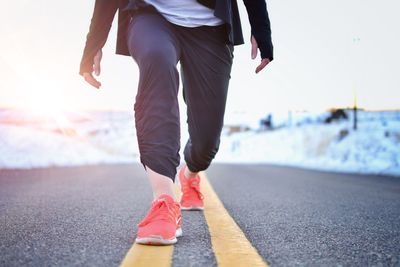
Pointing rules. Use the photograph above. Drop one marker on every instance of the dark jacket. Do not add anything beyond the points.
(226, 10)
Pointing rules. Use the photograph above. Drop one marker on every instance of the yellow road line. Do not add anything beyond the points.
(230, 245)
(142, 255)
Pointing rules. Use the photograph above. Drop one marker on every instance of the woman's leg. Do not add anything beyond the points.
(153, 46)
(206, 66)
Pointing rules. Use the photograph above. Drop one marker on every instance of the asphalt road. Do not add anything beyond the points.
(297, 217)
(87, 216)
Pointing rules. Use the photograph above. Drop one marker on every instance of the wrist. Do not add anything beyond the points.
(266, 49)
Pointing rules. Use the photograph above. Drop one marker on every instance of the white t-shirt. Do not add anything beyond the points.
(187, 13)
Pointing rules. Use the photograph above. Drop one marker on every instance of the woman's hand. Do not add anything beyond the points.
(96, 68)
(254, 49)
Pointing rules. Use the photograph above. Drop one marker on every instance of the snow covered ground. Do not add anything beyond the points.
(29, 140)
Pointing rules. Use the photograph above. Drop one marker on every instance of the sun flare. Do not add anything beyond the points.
(48, 105)
(56, 116)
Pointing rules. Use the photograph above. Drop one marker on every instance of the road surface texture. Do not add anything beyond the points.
(297, 217)
(87, 216)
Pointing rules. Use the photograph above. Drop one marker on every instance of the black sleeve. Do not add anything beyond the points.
(100, 25)
(260, 26)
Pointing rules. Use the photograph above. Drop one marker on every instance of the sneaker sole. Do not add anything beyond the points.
(156, 240)
(192, 208)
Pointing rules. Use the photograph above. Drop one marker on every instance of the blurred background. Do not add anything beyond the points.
(330, 100)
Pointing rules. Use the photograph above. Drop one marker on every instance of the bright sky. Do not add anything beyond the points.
(325, 51)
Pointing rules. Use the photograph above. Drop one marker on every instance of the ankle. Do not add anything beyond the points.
(160, 184)
(188, 174)
(156, 195)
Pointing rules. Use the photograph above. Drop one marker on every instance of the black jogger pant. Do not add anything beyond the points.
(206, 59)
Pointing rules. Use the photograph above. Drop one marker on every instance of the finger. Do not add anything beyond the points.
(91, 80)
(254, 48)
(262, 65)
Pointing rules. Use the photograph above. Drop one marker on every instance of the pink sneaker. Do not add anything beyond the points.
(192, 198)
(162, 223)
